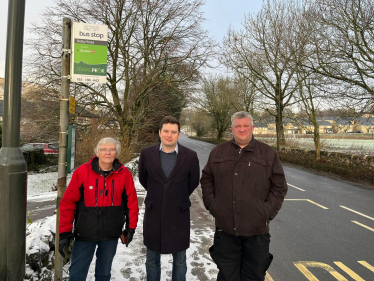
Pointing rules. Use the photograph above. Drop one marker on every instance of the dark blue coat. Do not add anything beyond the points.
(166, 226)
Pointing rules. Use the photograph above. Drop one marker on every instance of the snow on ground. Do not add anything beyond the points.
(39, 231)
(42, 183)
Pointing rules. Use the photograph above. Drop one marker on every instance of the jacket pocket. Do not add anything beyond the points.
(87, 224)
(211, 206)
(267, 216)
(186, 205)
(148, 203)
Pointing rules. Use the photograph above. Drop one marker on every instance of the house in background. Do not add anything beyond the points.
(261, 128)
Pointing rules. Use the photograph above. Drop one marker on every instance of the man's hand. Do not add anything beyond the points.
(64, 243)
(128, 233)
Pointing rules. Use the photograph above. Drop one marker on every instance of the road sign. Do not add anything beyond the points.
(89, 53)
(72, 105)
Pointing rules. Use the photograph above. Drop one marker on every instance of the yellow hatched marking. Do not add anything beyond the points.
(302, 266)
(268, 277)
(367, 265)
(310, 201)
(295, 187)
(356, 222)
(361, 214)
(349, 271)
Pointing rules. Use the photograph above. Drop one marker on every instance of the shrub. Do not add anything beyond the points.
(87, 141)
(35, 158)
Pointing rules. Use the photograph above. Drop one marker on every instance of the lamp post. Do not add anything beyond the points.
(13, 170)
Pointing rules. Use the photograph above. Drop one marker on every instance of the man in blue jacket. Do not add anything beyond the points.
(170, 173)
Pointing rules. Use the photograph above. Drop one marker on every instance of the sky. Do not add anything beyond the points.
(220, 15)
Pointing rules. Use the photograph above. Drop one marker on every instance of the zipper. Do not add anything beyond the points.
(96, 191)
(112, 191)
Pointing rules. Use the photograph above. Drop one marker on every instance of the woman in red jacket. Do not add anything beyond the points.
(99, 200)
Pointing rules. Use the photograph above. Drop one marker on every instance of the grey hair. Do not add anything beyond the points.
(104, 141)
(241, 115)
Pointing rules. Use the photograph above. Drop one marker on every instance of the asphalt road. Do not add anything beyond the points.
(324, 231)
(38, 208)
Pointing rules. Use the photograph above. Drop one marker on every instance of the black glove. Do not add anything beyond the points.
(63, 245)
(128, 233)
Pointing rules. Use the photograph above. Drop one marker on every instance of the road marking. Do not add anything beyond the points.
(349, 271)
(361, 214)
(295, 187)
(367, 265)
(268, 277)
(372, 229)
(302, 266)
(310, 201)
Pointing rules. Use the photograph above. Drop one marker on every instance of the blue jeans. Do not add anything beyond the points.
(82, 255)
(153, 266)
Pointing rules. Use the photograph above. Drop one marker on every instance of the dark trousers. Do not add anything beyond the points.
(241, 258)
(153, 266)
(81, 257)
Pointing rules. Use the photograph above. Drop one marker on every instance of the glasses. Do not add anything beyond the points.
(106, 150)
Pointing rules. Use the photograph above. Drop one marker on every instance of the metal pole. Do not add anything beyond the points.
(279, 122)
(64, 122)
(13, 170)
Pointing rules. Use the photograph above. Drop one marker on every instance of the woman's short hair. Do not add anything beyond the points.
(241, 115)
(104, 141)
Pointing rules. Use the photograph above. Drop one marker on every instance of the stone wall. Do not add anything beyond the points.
(347, 158)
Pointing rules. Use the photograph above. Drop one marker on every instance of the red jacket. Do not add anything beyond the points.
(98, 205)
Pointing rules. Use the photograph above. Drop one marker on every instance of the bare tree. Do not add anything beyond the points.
(218, 97)
(247, 93)
(343, 46)
(153, 46)
(263, 53)
(200, 122)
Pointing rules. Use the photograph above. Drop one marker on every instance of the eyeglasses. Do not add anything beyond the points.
(106, 150)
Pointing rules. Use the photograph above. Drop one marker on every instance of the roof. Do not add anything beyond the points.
(366, 121)
(260, 124)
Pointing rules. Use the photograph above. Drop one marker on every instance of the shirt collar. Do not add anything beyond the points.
(175, 149)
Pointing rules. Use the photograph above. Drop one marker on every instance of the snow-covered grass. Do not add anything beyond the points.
(42, 183)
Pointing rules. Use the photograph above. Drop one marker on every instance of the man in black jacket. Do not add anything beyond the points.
(243, 186)
(170, 173)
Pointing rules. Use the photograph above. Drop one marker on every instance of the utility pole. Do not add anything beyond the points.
(64, 122)
(279, 110)
(13, 170)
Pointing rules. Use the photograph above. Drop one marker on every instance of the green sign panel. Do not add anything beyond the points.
(89, 53)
